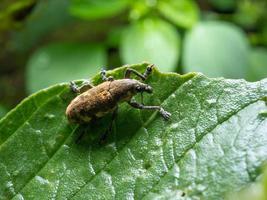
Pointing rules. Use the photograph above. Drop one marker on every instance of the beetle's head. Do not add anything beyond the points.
(141, 87)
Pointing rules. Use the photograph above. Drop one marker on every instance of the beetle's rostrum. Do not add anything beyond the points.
(96, 101)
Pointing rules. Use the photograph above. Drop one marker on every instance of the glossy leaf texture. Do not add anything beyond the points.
(60, 62)
(151, 40)
(216, 49)
(214, 143)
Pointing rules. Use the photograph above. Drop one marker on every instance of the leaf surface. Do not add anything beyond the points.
(214, 142)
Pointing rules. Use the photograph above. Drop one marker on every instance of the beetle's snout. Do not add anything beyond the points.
(148, 89)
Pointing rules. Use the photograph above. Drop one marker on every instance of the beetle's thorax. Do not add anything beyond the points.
(123, 89)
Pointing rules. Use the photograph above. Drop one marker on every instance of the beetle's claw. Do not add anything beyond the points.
(73, 87)
(166, 115)
(110, 78)
(150, 68)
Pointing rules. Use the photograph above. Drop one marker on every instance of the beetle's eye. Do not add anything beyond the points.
(138, 88)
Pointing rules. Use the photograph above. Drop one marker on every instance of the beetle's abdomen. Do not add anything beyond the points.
(90, 104)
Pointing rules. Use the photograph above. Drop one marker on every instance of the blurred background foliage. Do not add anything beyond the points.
(44, 42)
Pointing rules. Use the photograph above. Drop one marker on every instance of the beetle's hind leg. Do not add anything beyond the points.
(104, 77)
(144, 76)
(84, 87)
(109, 129)
(166, 115)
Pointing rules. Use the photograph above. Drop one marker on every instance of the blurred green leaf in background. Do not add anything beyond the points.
(63, 62)
(151, 39)
(183, 13)
(92, 9)
(217, 49)
(258, 64)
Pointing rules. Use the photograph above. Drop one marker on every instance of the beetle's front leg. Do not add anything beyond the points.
(144, 76)
(84, 87)
(166, 115)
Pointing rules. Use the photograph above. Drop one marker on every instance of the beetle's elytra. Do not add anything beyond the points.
(96, 101)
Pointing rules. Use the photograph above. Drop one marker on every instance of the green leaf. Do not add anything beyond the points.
(214, 142)
(47, 16)
(92, 9)
(151, 40)
(250, 13)
(216, 49)
(224, 5)
(183, 13)
(60, 62)
(258, 64)
(12, 13)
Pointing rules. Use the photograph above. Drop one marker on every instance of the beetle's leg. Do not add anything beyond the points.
(109, 129)
(76, 89)
(166, 115)
(85, 86)
(104, 77)
(129, 71)
(148, 71)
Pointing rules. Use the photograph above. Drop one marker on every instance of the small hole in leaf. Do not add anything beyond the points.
(147, 165)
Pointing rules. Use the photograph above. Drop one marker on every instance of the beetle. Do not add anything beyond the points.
(94, 102)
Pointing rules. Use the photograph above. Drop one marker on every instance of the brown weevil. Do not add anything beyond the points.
(96, 101)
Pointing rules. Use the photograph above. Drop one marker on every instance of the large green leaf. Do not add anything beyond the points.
(60, 62)
(151, 40)
(214, 142)
(216, 49)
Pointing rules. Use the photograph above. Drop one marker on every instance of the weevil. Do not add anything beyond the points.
(96, 101)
